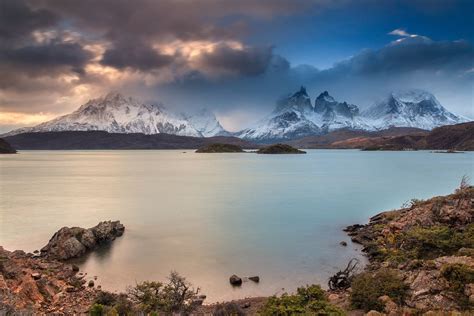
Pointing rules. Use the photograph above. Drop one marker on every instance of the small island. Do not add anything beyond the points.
(6, 148)
(220, 148)
(280, 149)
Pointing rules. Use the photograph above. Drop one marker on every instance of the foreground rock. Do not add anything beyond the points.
(33, 286)
(280, 149)
(220, 148)
(6, 148)
(429, 245)
(73, 242)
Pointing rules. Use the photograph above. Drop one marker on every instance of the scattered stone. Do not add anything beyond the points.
(91, 283)
(36, 251)
(70, 289)
(75, 268)
(202, 297)
(256, 278)
(36, 276)
(235, 280)
(246, 305)
(343, 243)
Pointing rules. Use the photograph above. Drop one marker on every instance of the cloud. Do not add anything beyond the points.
(400, 32)
(134, 55)
(247, 61)
(18, 20)
(45, 59)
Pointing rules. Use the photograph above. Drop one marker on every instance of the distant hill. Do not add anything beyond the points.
(457, 137)
(104, 140)
(6, 148)
(329, 140)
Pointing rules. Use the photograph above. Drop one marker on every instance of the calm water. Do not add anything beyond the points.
(208, 216)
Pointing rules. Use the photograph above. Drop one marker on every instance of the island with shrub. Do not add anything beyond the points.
(220, 148)
(280, 149)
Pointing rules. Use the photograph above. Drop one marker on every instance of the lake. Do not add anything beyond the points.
(209, 216)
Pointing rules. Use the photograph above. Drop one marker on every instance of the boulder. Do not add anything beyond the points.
(343, 243)
(73, 242)
(235, 280)
(256, 278)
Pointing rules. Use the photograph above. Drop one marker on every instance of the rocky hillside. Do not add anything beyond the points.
(6, 148)
(450, 137)
(427, 245)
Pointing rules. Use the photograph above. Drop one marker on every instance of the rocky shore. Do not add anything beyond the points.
(429, 246)
(421, 262)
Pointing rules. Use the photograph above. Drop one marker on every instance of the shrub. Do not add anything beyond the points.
(148, 295)
(458, 275)
(308, 300)
(174, 297)
(96, 310)
(430, 242)
(367, 287)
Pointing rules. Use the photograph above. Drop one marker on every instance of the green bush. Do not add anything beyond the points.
(367, 287)
(458, 275)
(308, 300)
(174, 297)
(428, 243)
(96, 310)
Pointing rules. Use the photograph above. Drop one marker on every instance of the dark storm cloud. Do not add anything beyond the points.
(185, 20)
(250, 61)
(138, 56)
(18, 20)
(47, 58)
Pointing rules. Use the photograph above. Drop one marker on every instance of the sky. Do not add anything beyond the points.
(235, 58)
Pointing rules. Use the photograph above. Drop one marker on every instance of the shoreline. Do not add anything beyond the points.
(44, 284)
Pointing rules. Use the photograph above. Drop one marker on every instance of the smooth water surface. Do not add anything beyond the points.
(208, 216)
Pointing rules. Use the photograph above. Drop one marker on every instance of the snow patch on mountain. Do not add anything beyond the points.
(206, 123)
(115, 113)
(410, 108)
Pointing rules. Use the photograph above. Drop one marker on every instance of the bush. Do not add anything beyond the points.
(308, 300)
(367, 287)
(176, 296)
(458, 275)
(96, 310)
(430, 242)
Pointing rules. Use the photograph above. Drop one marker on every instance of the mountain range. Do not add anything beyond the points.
(294, 117)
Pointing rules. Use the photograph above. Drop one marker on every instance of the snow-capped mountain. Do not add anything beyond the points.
(206, 123)
(115, 113)
(410, 108)
(287, 121)
(295, 116)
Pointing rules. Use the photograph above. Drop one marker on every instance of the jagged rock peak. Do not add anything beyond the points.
(301, 92)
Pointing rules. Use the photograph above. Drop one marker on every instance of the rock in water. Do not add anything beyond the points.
(235, 280)
(256, 278)
(73, 242)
